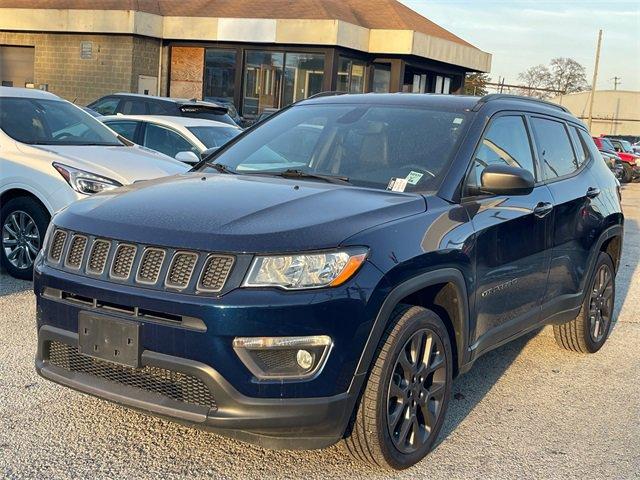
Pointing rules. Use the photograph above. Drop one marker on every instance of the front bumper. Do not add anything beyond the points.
(294, 423)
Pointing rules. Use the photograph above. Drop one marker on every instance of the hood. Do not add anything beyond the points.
(237, 213)
(627, 157)
(123, 164)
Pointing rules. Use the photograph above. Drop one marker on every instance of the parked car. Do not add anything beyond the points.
(636, 148)
(138, 104)
(266, 113)
(51, 154)
(298, 300)
(231, 108)
(614, 163)
(183, 138)
(630, 162)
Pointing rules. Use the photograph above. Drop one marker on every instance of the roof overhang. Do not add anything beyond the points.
(253, 30)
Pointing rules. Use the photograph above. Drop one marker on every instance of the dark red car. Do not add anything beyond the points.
(630, 161)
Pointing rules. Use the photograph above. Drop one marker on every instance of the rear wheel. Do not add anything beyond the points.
(590, 329)
(403, 406)
(24, 222)
(627, 175)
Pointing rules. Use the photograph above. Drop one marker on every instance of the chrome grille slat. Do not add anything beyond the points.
(181, 269)
(76, 252)
(150, 265)
(57, 245)
(98, 256)
(138, 264)
(123, 261)
(215, 273)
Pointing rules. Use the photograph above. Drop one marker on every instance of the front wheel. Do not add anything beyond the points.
(590, 329)
(24, 223)
(627, 174)
(403, 406)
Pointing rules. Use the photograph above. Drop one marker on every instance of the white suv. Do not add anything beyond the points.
(51, 154)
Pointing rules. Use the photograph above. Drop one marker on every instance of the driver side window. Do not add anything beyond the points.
(505, 142)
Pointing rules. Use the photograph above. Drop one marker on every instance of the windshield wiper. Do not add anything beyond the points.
(221, 168)
(295, 173)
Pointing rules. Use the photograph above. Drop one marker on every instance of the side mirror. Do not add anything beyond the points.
(187, 157)
(506, 180)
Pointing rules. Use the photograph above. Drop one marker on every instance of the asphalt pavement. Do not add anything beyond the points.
(525, 410)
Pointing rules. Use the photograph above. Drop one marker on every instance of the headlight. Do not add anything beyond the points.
(312, 270)
(85, 182)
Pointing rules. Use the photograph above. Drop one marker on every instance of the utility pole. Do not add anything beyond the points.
(595, 79)
(616, 81)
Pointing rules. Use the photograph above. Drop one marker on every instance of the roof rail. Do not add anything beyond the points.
(504, 96)
(330, 93)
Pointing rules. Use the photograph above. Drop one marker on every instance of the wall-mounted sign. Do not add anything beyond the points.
(86, 50)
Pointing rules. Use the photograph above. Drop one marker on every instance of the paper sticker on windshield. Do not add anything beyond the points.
(397, 184)
(414, 177)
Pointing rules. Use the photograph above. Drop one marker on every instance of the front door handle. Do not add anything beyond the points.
(593, 192)
(542, 209)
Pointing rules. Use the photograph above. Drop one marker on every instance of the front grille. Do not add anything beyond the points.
(181, 269)
(168, 383)
(57, 245)
(150, 265)
(215, 273)
(153, 267)
(98, 256)
(76, 252)
(123, 261)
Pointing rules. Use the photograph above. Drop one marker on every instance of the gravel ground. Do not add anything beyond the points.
(526, 410)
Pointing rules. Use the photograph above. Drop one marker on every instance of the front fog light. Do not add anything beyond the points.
(286, 358)
(304, 359)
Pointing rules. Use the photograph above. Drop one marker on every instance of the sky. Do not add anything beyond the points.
(523, 33)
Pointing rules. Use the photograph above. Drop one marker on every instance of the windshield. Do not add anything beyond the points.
(626, 146)
(214, 136)
(51, 122)
(607, 145)
(375, 146)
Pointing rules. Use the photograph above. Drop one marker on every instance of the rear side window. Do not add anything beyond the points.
(554, 148)
(126, 129)
(579, 141)
(506, 142)
(157, 108)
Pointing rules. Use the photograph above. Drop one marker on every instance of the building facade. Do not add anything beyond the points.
(615, 112)
(258, 54)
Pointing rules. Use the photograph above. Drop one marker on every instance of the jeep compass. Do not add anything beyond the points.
(327, 274)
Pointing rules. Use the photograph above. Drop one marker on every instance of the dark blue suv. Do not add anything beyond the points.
(328, 273)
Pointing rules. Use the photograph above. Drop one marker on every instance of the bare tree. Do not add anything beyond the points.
(476, 84)
(538, 76)
(567, 75)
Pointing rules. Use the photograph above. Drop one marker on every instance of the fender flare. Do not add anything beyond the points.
(444, 275)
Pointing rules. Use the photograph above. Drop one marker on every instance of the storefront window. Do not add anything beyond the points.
(219, 74)
(351, 75)
(381, 78)
(443, 84)
(262, 82)
(303, 76)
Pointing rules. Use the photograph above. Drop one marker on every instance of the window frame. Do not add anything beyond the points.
(465, 196)
(566, 125)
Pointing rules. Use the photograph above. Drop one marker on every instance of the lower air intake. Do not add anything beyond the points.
(175, 385)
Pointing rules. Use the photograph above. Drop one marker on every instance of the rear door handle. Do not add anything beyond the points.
(593, 192)
(542, 209)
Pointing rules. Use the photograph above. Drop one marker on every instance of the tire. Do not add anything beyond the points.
(627, 175)
(29, 239)
(370, 438)
(590, 329)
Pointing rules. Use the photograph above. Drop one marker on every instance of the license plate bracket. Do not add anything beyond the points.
(109, 338)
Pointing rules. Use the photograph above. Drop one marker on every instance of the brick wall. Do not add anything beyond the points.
(115, 63)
